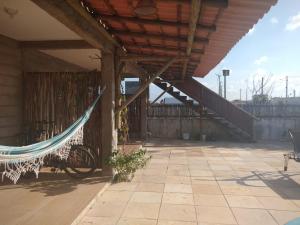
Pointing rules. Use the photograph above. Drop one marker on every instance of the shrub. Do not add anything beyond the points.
(126, 164)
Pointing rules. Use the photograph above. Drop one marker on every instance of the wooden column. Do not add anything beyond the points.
(144, 110)
(109, 133)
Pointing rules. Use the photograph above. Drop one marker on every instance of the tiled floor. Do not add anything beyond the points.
(204, 184)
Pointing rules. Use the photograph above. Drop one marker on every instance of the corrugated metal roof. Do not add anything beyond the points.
(152, 35)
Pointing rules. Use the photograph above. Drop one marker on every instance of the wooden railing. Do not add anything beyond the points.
(217, 104)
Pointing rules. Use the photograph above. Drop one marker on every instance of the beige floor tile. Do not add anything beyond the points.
(201, 173)
(89, 220)
(141, 210)
(178, 180)
(125, 186)
(168, 222)
(282, 217)
(220, 167)
(240, 201)
(146, 197)
(277, 203)
(115, 196)
(262, 191)
(178, 172)
(210, 200)
(150, 187)
(177, 212)
(178, 198)
(235, 190)
(154, 179)
(178, 188)
(206, 189)
(253, 217)
(154, 172)
(129, 221)
(210, 214)
(106, 209)
(204, 180)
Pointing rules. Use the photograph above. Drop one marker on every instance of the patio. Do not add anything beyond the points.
(194, 183)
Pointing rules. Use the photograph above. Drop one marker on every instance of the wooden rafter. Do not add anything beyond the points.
(198, 40)
(194, 16)
(140, 58)
(155, 22)
(70, 13)
(163, 48)
(147, 83)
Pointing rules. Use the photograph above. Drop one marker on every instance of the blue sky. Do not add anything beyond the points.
(271, 49)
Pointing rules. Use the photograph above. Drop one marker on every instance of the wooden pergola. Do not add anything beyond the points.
(183, 38)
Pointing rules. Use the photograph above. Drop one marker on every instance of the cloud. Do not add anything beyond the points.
(251, 31)
(274, 20)
(294, 23)
(261, 60)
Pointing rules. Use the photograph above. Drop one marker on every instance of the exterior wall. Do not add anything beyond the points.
(274, 120)
(171, 121)
(13, 62)
(10, 91)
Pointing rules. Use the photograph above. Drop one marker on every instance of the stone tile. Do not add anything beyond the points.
(206, 189)
(178, 198)
(125, 186)
(240, 201)
(154, 179)
(253, 217)
(146, 197)
(177, 212)
(150, 187)
(235, 190)
(178, 172)
(129, 221)
(90, 220)
(115, 196)
(204, 180)
(168, 222)
(282, 217)
(106, 209)
(141, 210)
(210, 200)
(220, 167)
(201, 173)
(178, 188)
(178, 180)
(211, 214)
(277, 203)
(154, 172)
(262, 191)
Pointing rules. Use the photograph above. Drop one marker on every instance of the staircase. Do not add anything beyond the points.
(238, 122)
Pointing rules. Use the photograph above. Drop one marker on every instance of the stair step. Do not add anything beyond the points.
(182, 98)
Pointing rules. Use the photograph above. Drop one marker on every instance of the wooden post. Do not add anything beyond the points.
(144, 110)
(108, 131)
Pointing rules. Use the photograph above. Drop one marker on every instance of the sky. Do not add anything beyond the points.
(271, 49)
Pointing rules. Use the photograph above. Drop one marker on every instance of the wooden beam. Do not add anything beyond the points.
(163, 48)
(140, 58)
(211, 3)
(147, 83)
(194, 17)
(155, 22)
(72, 15)
(166, 37)
(160, 95)
(56, 44)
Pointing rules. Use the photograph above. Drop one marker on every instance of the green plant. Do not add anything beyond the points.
(125, 164)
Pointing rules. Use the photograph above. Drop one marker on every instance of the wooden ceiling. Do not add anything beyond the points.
(202, 32)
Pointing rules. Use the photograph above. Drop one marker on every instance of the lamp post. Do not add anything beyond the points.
(225, 74)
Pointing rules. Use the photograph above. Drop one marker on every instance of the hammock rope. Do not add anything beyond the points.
(19, 160)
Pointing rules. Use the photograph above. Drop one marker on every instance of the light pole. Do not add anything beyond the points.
(225, 74)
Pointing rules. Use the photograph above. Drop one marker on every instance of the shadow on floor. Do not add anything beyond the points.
(52, 184)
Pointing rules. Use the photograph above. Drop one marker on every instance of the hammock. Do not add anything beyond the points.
(19, 160)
